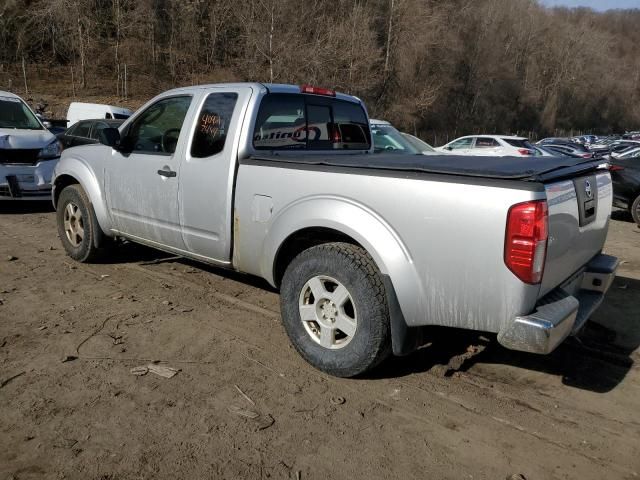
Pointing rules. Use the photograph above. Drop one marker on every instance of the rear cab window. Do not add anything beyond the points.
(290, 121)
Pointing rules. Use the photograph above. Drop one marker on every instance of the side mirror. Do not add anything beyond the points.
(448, 148)
(110, 137)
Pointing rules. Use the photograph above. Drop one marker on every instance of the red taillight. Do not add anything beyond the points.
(586, 155)
(525, 246)
(317, 90)
(524, 151)
(615, 168)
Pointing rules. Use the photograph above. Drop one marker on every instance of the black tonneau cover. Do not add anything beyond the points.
(533, 169)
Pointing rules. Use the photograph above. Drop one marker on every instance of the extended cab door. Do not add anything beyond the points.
(141, 180)
(207, 172)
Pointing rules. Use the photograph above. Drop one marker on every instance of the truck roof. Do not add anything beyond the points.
(269, 87)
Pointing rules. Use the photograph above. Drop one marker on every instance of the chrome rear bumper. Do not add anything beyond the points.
(562, 312)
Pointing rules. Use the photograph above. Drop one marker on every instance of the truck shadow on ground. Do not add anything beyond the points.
(597, 360)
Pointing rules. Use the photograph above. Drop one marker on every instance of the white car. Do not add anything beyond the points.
(489, 145)
(28, 152)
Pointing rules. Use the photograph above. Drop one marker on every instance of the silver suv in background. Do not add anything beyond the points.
(489, 146)
(28, 152)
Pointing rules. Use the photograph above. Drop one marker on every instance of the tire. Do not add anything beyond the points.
(350, 295)
(635, 210)
(77, 225)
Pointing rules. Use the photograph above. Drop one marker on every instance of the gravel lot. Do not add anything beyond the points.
(245, 405)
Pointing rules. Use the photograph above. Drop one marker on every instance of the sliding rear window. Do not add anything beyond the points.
(310, 122)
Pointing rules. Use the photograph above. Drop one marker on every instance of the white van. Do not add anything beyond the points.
(91, 111)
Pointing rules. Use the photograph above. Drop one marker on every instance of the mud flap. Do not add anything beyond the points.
(404, 339)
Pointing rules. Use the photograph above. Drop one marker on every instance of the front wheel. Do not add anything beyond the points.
(334, 309)
(77, 226)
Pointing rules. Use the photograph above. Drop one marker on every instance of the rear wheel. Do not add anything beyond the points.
(635, 210)
(334, 309)
(77, 227)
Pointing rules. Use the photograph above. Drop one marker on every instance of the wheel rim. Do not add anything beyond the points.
(328, 312)
(73, 224)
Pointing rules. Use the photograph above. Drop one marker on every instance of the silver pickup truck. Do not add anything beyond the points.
(280, 181)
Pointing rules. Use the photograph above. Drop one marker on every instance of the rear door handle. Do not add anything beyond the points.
(167, 173)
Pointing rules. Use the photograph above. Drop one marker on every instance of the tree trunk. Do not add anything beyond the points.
(389, 34)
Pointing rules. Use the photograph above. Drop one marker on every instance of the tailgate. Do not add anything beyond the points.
(579, 210)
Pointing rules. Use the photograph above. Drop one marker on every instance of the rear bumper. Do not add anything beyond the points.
(563, 311)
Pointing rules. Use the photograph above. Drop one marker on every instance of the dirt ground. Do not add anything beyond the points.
(245, 405)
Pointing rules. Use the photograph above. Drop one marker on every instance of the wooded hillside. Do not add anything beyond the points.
(439, 68)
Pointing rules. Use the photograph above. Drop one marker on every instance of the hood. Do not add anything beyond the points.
(11, 138)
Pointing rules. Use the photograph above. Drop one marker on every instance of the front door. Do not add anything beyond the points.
(142, 178)
(207, 174)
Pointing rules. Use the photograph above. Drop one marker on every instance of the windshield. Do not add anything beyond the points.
(387, 139)
(419, 144)
(15, 114)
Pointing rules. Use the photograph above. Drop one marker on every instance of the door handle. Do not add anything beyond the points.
(167, 173)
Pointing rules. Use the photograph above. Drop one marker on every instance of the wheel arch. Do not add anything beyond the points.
(71, 171)
(324, 220)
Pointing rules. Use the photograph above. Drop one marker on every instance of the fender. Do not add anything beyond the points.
(362, 224)
(78, 169)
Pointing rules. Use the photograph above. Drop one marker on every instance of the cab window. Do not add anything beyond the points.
(213, 124)
(157, 129)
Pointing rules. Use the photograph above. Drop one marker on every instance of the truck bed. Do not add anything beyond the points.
(532, 169)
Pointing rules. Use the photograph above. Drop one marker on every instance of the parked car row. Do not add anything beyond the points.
(28, 152)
